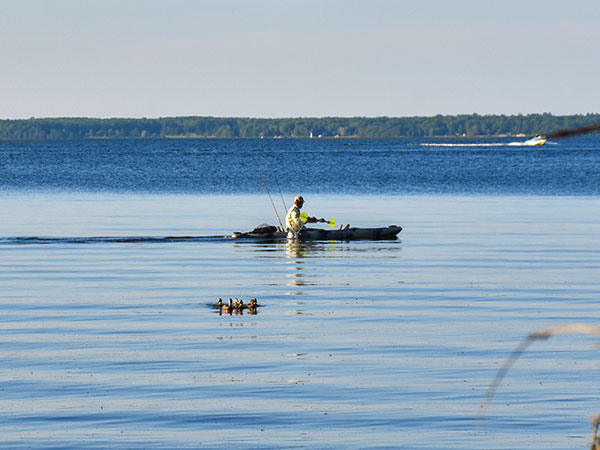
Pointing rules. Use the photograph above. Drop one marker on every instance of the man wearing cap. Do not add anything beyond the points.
(293, 222)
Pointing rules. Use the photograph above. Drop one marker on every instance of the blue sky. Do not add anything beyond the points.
(297, 58)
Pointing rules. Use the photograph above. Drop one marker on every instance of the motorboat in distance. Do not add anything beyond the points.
(536, 140)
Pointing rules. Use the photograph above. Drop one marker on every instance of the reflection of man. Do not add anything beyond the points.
(295, 249)
(293, 222)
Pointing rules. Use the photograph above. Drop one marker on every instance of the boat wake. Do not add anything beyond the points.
(486, 144)
(35, 240)
(481, 144)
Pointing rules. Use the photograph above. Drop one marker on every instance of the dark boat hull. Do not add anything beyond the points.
(317, 234)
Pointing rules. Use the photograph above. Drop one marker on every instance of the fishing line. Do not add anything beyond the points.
(267, 188)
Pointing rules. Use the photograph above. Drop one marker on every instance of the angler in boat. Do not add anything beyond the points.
(293, 220)
(295, 229)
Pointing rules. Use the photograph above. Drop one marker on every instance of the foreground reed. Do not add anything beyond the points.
(575, 328)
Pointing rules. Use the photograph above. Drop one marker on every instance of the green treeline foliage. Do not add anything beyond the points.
(471, 125)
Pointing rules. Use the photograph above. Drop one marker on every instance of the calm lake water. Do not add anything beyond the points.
(112, 343)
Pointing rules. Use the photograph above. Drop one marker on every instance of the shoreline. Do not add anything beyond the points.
(199, 127)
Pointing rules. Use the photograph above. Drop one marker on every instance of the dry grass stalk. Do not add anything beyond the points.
(595, 437)
(575, 328)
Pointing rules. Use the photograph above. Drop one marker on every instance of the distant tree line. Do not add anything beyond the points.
(470, 125)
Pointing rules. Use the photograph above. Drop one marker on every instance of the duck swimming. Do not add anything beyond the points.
(253, 303)
(236, 306)
(227, 307)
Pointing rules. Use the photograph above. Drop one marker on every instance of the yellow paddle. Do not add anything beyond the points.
(304, 218)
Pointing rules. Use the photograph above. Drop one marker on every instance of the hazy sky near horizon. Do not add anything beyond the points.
(297, 58)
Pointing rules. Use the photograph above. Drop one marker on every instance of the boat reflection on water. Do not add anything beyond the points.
(295, 248)
(307, 259)
(295, 251)
(317, 263)
(299, 254)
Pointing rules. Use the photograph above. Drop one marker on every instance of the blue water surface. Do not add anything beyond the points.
(484, 166)
(109, 340)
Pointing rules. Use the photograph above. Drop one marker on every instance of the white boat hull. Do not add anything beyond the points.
(537, 140)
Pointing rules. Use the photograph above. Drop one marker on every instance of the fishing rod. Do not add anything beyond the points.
(279, 188)
(268, 192)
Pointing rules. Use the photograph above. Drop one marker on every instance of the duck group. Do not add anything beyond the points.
(236, 306)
